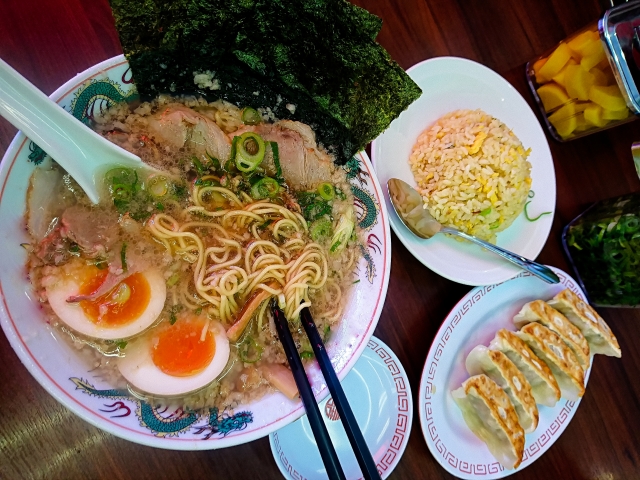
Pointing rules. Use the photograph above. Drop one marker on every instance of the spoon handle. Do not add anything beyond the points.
(80, 151)
(535, 268)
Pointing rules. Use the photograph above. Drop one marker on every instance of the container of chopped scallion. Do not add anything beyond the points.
(603, 245)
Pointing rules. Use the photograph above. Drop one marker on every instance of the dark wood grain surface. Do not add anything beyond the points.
(50, 41)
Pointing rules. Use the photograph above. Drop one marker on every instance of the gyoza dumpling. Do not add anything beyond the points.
(550, 348)
(498, 367)
(539, 311)
(543, 384)
(489, 414)
(593, 327)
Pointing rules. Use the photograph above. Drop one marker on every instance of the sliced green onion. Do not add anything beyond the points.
(276, 161)
(320, 229)
(249, 350)
(326, 334)
(250, 149)
(121, 175)
(306, 355)
(158, 186)
(526, 214)
(123, 256)
(485, 212)
(122, 294)
(215, 163)
(344, 229)
(265, 188)
(326, 191)
(234, 149)
(265, 224)
(250, 116)
(173, 279)
(173, 317)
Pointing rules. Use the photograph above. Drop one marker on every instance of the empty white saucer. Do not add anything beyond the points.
(379, 394)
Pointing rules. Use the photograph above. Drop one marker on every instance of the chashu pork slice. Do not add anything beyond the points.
(304, 164)
(489, 414)
(543, 384)
(600, 337)
(559, 358)
(182, 127)
(497, 366)
(539, 311)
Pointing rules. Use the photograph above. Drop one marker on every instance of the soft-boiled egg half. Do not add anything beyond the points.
(125, 310)
(176, 359)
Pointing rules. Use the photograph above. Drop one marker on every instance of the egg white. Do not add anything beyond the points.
(138, 369)
(72, 314)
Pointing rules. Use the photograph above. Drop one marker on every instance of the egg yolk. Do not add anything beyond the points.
(179, 351)
(122, 305)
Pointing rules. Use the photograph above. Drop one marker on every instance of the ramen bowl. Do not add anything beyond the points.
(66, 375)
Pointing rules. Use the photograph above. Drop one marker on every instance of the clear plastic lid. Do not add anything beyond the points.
(620, 32)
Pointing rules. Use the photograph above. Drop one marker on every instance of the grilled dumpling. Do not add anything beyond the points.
(539, 311)
(490, 415)
(498, 367)
(543, 384)
(559, 358)
(593, 327)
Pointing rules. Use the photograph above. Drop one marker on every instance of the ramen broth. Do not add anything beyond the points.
(223, 235)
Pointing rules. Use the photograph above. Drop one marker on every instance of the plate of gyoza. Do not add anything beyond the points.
(506, 372)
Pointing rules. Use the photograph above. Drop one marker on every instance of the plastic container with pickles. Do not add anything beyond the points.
(588, 82)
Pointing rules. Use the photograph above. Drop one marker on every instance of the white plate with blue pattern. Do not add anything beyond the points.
(448, 84)
(379, 394)
(474, 321)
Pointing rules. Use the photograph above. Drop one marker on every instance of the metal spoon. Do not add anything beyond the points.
(409, 206)
(84, 154)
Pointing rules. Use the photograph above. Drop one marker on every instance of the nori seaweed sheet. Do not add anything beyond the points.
(319, 55)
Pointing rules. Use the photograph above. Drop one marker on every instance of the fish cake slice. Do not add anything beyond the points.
(543, 384)
(539, 311)
(600, 337)
(497, 366)
(564, 365)
(489, 414)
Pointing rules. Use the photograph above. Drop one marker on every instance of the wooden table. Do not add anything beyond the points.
(50, 41)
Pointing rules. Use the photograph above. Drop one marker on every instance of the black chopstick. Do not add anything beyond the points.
(358, 443)
(327, 451)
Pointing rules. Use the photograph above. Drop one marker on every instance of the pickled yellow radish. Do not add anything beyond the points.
(578, 81)
(582, 106)
(552, 96)
(556, 61)
(593, 115)
(560, 77)
(564, 120)
(615, 115)
(609, 98)
(536, 69)
(600, 76)
(590, 61)
(582, 41)
(593, 48)
(581, 123)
